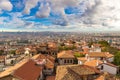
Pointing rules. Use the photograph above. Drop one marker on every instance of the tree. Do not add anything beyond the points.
(104, 43)
(12, 62)
(61, 48)
(90, 43)
(112, 50)
(117, 58)
(1, 52)
(107, 48)
(78, 55)
(12, 52)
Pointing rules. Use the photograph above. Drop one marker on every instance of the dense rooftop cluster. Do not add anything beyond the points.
(60, 58)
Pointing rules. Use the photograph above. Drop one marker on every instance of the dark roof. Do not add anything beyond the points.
(29, 71)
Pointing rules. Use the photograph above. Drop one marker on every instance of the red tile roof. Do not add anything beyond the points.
(29, 71)
(65, 54)
(93, 63)
(2, 57)
(100, 54)
(50, 61)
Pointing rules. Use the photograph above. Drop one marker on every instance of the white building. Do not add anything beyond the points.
(27, 51)
(108, 67)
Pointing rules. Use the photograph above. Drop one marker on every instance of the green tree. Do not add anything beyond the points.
(117, 58)
(90, 43)
(112, 50)
(107, 48)
(12, 52)
(66, 48)
(104, 43)
(78, 55)
(1, 52)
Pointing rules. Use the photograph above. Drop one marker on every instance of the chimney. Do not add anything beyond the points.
(104, 61)
(80, 62)
(97, 63)
(86, 56)
(92, 46)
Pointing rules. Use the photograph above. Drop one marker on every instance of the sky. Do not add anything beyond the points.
(60, 15)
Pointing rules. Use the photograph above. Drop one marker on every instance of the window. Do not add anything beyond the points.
(67, 61)
(101, 58)
(64, 61)
(118, 71)
(49, 68)
(102, 67)
(70, 61)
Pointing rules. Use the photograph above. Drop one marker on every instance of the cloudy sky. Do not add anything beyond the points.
(60, 15)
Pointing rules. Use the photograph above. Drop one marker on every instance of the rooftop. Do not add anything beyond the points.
(49, 60)
(65, 54)
(100, 54)
(29, 71)
(74, 72)
(93, 63)
(11, 69)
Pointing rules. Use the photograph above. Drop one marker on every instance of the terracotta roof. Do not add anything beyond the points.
(18, 51)
(93, 63)
(106, 76)
(83, 70)
(41, 56)
(36, 56)
(65, 54)
(29, 71)
(83, 59)
(49, 64)
(11, 69)
(50, 78)
(86, 50)
(100, 54)
(50, 61)
(52, 45)
(96, 45)
(101, 77)
(109, 55)
(51, 58)
(43, 45)
(2, 57)
(74, 72)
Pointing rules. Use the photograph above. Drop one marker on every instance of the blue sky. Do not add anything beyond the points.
(59, 15)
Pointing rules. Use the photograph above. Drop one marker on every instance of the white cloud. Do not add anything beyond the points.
(5, 5)
(44, 11)
(2, 20)
(102, 12)
(0, 11)
(94, 14)
(56, 7)
(14, 22)
(29, 4)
